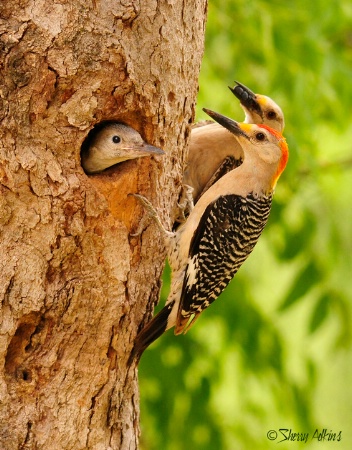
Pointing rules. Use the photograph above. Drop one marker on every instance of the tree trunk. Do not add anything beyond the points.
(75, 284)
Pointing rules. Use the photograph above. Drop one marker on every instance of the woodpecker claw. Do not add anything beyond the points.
(152, 214)
(140, 229)
(186, 204)
(189, 196)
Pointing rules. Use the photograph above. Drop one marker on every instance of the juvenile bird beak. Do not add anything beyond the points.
(137, 151)
(226, 122)
(247, 98)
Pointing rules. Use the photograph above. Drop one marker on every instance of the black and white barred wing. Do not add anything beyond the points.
(227, 233)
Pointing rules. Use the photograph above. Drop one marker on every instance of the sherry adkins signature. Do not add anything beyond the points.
(286, 434)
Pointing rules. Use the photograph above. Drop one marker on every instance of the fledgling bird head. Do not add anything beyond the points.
(259, 142)
(259, 108)
(113, 144)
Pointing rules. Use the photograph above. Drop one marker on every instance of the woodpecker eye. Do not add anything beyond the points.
(271, 115)
(260, 136)
(116, 139)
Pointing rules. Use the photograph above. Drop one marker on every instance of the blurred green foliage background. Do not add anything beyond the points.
(274, 351)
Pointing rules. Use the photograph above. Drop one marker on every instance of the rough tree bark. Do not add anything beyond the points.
(75, 285)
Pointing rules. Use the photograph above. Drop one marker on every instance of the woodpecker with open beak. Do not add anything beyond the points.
(214, 151)
(111, 144)
(259, 108)
(207, 250)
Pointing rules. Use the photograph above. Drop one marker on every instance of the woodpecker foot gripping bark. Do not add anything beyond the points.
(152, 214)
(185, 204)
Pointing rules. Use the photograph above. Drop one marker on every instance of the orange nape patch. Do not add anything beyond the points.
(284, 152)
(283, 160)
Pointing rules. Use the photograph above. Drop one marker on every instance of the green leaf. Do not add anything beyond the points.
(305, 281)
(320, 312)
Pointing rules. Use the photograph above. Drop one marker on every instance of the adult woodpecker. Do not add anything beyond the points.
(111, 144)
(214, 152)
(221, 231)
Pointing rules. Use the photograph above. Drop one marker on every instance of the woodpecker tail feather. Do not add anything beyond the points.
(154, 329)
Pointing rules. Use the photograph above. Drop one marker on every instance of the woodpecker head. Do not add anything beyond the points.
(259, 108)
(112, 144)
(265, 143)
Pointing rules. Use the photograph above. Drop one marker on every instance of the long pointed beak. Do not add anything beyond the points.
(247, 97)
(226, 122)
(137, 151)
